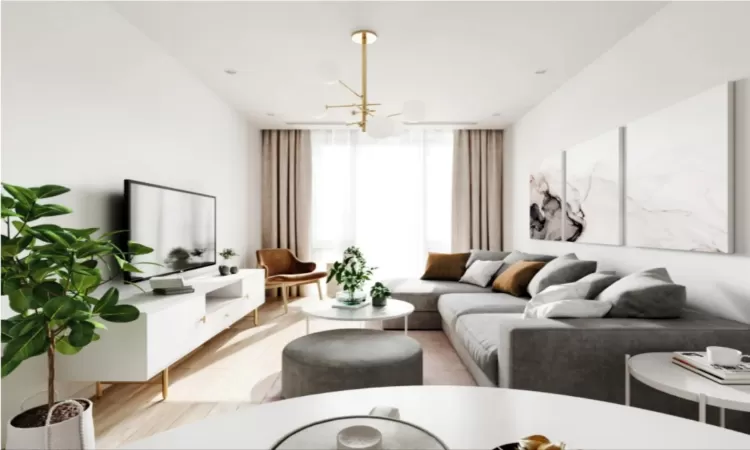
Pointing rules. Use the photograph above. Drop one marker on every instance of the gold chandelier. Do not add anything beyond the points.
(380, 126)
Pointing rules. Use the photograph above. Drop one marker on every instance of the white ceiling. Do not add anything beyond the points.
(468, 61)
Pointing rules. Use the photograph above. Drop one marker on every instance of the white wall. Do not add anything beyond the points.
(88, 101)
(682, 50)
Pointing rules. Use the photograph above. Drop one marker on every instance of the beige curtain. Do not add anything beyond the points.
(477, 190)
(287, 182)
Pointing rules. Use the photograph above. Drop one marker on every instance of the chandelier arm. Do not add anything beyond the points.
(350, 89)
(364, 81)
(351, 105)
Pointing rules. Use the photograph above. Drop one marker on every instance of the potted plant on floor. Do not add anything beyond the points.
(227, 254)
(351, 274)
(49, 274)
(379, 294)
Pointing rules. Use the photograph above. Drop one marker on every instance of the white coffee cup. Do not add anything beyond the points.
(724, 356)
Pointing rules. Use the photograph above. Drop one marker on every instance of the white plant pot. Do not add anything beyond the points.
(74, 433)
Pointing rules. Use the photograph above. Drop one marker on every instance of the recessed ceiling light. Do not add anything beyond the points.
(230, 71)
(540, 72)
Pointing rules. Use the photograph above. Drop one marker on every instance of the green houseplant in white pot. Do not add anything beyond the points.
(49, 274)
(351, 273)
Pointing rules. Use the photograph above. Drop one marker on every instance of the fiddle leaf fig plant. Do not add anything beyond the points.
(352, 272)
(50, 275)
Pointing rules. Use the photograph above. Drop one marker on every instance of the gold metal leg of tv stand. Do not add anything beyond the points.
(164, 384)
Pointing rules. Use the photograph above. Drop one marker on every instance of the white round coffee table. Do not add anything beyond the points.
(462, 417)
(393, 309)
(657, 371)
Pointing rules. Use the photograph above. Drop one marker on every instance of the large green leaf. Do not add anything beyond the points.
(21, 300)
(7, 212)
(23, 195)
(126, 266)
(82, 232)
(46, 291)
(49, 190)
(64, 346)
(22, 348)
(8, 202)
(81, 334)
(12, 247)
(139, 249)
(38, 211)
(108, 300)
(94, 248)
(60, 308)
(26, 325)
(82, 312)
(120, 313)
(85, 283)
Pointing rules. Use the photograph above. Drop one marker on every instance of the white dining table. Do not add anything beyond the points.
(462, 417)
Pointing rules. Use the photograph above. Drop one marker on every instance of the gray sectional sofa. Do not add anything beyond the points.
(579, 357)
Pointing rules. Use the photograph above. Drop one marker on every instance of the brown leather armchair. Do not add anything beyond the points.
(283, 270)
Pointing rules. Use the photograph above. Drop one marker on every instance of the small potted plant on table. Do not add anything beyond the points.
(50, 275)
(379, 294)
(227, 254)
(351, 274)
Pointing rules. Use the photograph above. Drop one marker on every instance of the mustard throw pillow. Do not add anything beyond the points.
(445, 266)
(515, 280)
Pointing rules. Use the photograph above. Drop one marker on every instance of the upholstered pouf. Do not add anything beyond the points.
(338, 360)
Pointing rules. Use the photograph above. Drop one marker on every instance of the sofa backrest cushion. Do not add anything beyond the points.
(485, 255)
(516, 278)
(649, 294)
(516, 256)
(561, 270)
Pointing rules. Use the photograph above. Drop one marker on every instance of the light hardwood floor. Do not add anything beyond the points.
(238, 369)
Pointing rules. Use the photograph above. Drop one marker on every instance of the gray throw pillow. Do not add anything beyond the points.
(517, 256)
(485, 255)
(561, 270)
(649, 294)
(597, 282)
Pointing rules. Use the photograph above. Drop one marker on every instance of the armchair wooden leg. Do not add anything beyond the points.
(284, 297)
(320, 290)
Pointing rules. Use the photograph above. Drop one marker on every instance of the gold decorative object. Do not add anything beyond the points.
(413, 110)
(539, 442)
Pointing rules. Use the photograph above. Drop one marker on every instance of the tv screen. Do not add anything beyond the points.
(179, 225)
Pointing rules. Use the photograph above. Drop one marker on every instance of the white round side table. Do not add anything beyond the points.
(393, 309)
(657, 371)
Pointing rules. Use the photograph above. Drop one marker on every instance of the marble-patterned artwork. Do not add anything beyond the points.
(546, 199)
(593, 195)
(678, 180)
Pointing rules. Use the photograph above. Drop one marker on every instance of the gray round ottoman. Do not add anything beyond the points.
(338, 360)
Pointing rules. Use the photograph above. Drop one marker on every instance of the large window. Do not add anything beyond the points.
(391, 198)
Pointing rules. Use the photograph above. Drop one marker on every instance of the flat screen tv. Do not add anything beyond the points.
(179, 225)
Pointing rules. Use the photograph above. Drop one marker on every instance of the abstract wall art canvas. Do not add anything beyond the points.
(593, 190)
(546, 199)
(678, 175)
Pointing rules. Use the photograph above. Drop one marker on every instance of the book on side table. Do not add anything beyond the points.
(698, 362)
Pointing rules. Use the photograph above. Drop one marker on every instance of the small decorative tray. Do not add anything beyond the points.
(397, 434)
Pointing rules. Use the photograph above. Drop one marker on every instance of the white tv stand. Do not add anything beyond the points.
(168, 329)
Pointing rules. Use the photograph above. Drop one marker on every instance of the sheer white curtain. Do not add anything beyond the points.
(391, 198)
